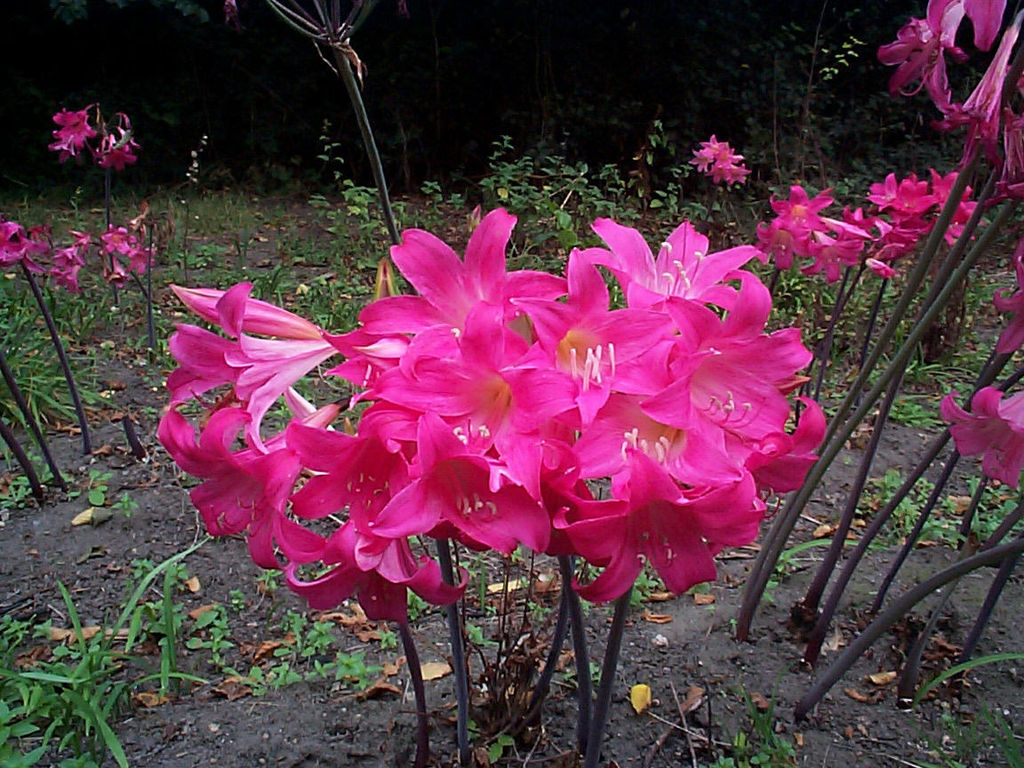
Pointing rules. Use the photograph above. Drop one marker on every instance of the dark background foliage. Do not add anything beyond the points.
(796, 86)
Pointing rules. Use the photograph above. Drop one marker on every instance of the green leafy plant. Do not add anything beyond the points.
(69, 702)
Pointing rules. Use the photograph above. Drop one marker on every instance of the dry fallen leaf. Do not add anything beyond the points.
(823, 530)
(703, 598)
(92, 516)
(659, 597)
(798, 739)
(149, 699)
(390, 669)
(856, 695)
(513, 584)
(195, 613)
(192, 585)
(882, 678)
(834, 641)
(694, 698)
(656, 618)
(233, 688)
(435, 670)
(760, 701)
(259, 651)
(378, 688)
(640, 697)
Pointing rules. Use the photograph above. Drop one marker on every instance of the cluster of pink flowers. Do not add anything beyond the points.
(487, 403)
(115, 149)
(992, 122)
(903, 212)
(19, 246)
(718, 160)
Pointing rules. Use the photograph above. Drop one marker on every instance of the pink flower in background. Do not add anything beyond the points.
(73, 133)
(993, 429)
(920, 47)
(17, 247)
(683, 268)
(789, 234)
(67, 262)
(117, 147)
(718, 160)
(1012, 337)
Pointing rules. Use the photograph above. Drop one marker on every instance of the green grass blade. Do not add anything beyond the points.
(965, 666)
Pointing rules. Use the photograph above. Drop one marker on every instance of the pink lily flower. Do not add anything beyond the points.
(993, 429)
(244, 490)
(449, 287)
(73, 133)
(356, 472)
(461, 492)
(983, 110)
(263, 368)
(920, 46)
(381, 591)
(239, 313)
(582, 338)
(1012, 337)
(652, 519)
(718, 160)
(683, 267)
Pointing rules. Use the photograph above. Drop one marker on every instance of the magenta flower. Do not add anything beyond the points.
(683, 268)
(459, 492)
(585, 340)
(117, 147)
(652, 518)
(381, 590)
(66, 264)
(1012, 337)
(789, 234)
(493, 397)
(994, 429)
(17, 247)
(718, 160)
(449, 287)
(920, 47)
(73, 133)
(246, 490)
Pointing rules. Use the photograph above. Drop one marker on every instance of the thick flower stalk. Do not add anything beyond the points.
(486, 403)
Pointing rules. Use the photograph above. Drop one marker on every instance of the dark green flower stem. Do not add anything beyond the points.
(412, 661)
(1006, 569)
(540, 690)
(581, 656)
(348, 77)
(150, 324)
(30, 420)
(824, 351)
(19, 453)
(812, 598)
(63, 358)
(816, 637)
(897, 611)
(872, 319)
(604, 691)
(459, 668)
(108, 218)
